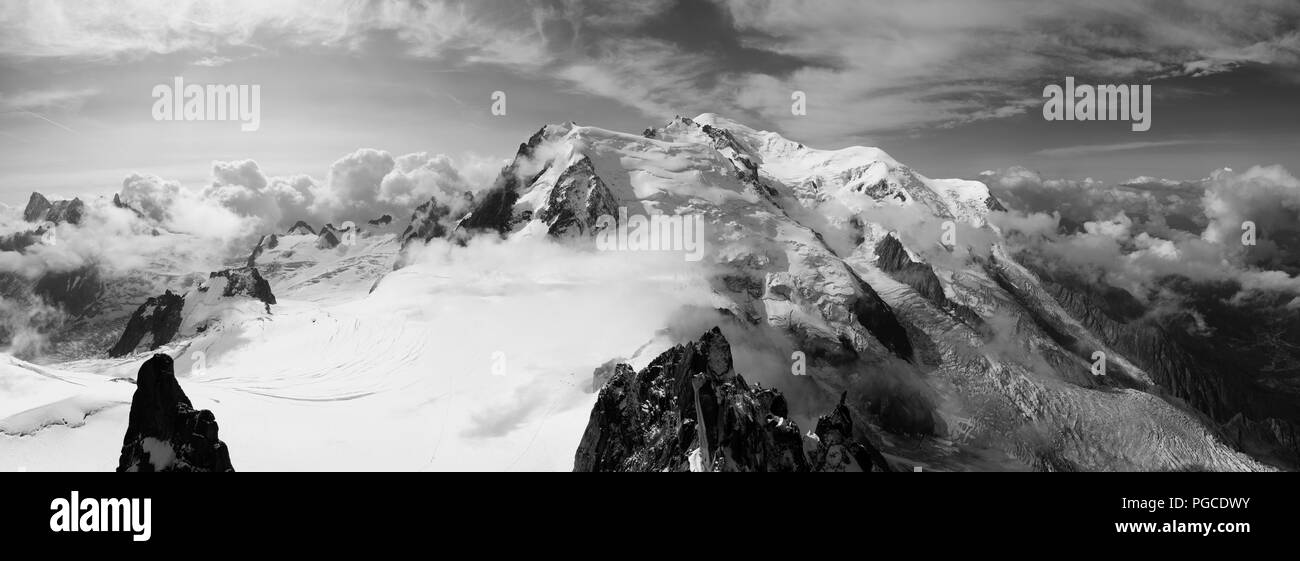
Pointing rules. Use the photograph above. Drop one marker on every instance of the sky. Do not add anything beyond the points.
(950, 87)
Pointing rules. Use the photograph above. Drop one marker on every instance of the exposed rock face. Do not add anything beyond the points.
(301, 227)
(382, 220)
(119, 203)
(40, 209)
(494, 210)
(878, 318)
(66, 211)
(429, 221)
(37, 207)
(159, 317)
(689, 408)
(601, 375)
(578, 199)
(327, 239)
(893, 258)
(165, 432)
(75, 292)
(269, 241)
(994, 204)
(839, 449)
(245, 281)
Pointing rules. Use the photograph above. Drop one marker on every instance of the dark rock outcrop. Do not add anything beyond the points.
(877, 317)
(689, 409)
(301, 227)
(494, 210)
(601, 375)
(41, 209)
(327, 239)
(269, 241)
(159, 317)
(993, 204)
(37, 207)
(244, 281)
(165, 432)
(430, 220)
(74, 292)
(382, 220)
(840, 449)
(689, 402)
(119, 203)
(577, 201)
(893, 259)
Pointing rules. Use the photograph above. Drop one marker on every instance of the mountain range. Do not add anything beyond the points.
(850, 314)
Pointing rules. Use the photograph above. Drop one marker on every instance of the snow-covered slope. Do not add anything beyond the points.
(306, 266)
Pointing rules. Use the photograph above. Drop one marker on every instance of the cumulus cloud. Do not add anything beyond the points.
(1267, 197)
(360, 186)
(1154, 205)
(1125, 235)
(418, 177)
(370, 183)
(242, 187)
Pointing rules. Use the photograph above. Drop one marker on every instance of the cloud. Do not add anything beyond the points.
(1084, 150)
(242, 187)
(360, 186)
(1269, 198)
(104, 29)
(417, 177)
(543, 307)
(867, 68)
(33, 100)
(1138, 234)
(1155, 205)
(900, 64)
(213, 61)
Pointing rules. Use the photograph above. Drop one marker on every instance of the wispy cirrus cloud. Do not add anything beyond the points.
(867, 68)
(39, 100)
(1086, 149)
